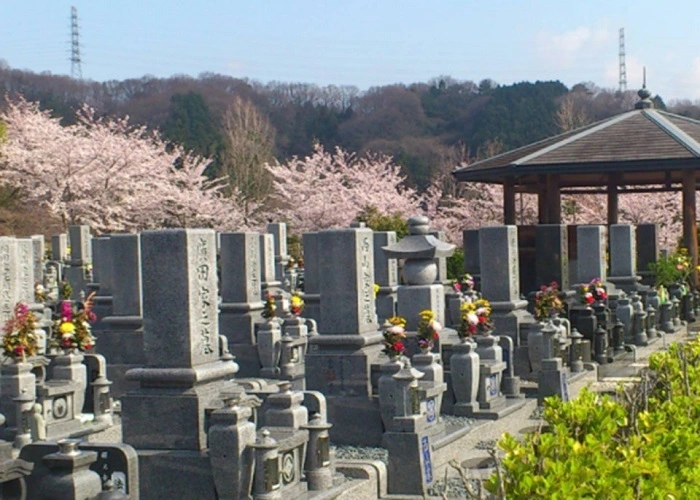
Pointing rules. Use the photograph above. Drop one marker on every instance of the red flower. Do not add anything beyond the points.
(482, 319)
(19, 349)
(398, 346)
(590, 299)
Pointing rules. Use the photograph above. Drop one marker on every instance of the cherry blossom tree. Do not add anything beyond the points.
(107, 174)
(326, 190)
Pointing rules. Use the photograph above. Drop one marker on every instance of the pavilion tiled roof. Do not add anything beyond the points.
(644, 139)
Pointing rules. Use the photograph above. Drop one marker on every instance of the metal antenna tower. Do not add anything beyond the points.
(623, 66)
(75, 68)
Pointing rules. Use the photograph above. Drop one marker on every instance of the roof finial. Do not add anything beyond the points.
(644, 94)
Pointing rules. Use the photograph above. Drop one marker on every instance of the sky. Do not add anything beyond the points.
(364, 43)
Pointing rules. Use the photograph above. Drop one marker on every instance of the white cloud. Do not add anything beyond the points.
(570, 48)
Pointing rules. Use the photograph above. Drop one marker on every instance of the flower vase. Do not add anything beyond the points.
(464, 371)
(69, 366)
(386, 387)
(16, 379)
(269, 346)
(535, 347)
(433, 373)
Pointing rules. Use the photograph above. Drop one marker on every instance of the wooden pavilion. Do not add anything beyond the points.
(641, 151)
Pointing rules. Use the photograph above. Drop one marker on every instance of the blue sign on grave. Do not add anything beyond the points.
(430, 415)
(427, 462)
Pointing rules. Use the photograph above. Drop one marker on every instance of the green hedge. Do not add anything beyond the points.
(643, 443)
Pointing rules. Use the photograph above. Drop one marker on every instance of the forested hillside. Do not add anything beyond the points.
(427, 127)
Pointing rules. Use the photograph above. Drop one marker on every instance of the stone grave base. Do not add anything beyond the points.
(169, 474)
(510, 406)
(356, 421)
(247, 359)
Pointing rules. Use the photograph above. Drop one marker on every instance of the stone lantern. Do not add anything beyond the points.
(420, 251)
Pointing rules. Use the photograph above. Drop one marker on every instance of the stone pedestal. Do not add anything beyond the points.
(552, 381)
(231, 433)
(70, 367)
(17, 380)
(70, 475)
(464, 372)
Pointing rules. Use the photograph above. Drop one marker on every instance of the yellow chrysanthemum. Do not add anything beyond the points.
(66, 327)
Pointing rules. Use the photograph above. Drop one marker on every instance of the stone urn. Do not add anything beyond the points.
(464, 370)
(69, 366)
(535, 346)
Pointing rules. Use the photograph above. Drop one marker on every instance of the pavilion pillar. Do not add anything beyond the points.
(553, 199)
(613, 205)
(690, 233)
(542, 212)
(509, 201)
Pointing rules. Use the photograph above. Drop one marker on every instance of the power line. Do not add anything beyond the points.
(76, 70)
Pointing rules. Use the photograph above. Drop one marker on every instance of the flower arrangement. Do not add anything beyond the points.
(675, 268)
(547, 302)
(19, 337)
(270, 309)
(296, 304)
(428, 329)
(474, 318)
(73, 325)
(40, 293)
(463, 284)
(593, 291)
(394, 336)
(65, 290)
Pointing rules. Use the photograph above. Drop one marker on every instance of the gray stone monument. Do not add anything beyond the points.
(500, 280)
(552, 255)
(39, 255)
(25, 271)
(121, 341)
(267, 262)
(623, 257)
(241, 297)
(592, 257)
(647, 251)
(339, 358)
(386, 275)
(78, 269)
(184, 373)
(9, 294)
(279, 231)
(102, 279)
(472, 262)
(59, 247)
(312, 297)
